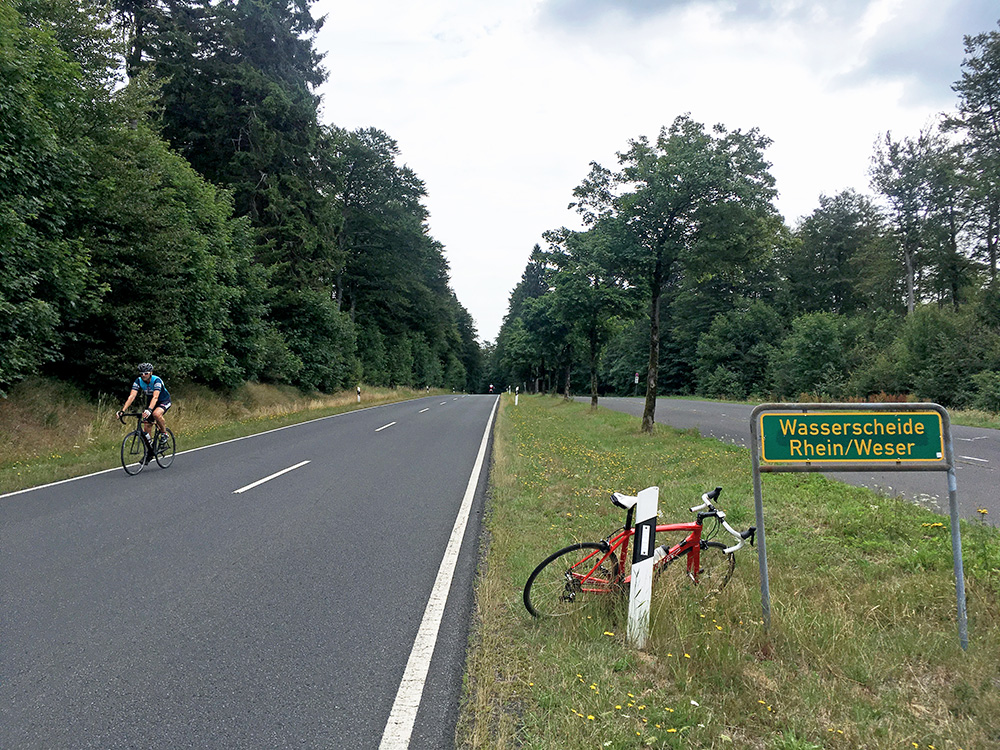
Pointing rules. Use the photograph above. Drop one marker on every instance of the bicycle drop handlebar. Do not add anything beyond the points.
(713, 512)
(130, 415)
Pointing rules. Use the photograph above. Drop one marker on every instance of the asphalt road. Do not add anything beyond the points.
(166, 610)
(977, 455)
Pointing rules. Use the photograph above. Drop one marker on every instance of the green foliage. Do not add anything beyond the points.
(46, 278)
(164, 264)
(987, 396)
(217, 240)
(322, 338)
(839, 245)
(734, 353)
(811, 358)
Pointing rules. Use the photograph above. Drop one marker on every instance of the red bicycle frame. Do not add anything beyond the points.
(619, 543)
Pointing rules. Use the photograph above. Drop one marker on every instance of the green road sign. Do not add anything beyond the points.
(851, 437)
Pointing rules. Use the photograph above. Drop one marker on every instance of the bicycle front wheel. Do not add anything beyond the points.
(133, 453)
(715, 568)
(165, 453)
(572, 579)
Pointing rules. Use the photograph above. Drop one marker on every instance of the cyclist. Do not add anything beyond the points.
(159, 401)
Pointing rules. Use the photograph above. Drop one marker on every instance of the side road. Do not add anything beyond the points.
(977, 454)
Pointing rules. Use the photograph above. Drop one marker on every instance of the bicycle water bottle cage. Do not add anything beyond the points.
(623, 501)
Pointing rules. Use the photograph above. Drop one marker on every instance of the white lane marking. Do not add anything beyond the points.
(385, 426)
(980, 460)
(404, 709)
(442, 403)
(423, 410)
(268, 479)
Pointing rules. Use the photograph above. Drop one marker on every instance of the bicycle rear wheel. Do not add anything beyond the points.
(715, 570)
(133, 453)
(572, 579)
(165, 455)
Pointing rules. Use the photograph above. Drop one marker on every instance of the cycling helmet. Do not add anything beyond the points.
(145, 367)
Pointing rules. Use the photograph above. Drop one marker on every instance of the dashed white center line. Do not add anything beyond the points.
(442, 403)
(970, 458)
(268, 479)
(423, 410)
(385, 426)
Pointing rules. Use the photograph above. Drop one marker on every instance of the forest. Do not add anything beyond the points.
(168, 193)
(684, 279)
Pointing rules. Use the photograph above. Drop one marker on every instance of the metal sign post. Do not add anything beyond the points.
(643, 545)
(854, 437)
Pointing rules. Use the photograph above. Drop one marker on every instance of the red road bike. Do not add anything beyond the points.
(581, 574)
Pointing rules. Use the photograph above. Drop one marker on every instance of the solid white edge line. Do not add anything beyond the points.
(211, 445)
(399, 727)
(268, 479)
(385, 427)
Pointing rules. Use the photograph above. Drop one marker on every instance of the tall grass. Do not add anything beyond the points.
(50, 431)
(863, 651)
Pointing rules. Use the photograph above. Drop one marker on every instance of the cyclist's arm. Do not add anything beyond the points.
(130, 399)
(156, 397)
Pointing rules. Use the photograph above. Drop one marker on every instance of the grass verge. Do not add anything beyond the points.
(863, 650)
(50, 432)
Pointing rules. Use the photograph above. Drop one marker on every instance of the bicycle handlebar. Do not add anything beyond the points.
(122, 415)
(740, 537)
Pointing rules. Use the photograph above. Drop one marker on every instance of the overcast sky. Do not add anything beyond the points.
(501, 105)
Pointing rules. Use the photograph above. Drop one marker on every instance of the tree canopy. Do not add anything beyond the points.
(888, 295)
(168, 193)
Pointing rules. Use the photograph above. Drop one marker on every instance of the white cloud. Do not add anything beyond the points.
(500, 107)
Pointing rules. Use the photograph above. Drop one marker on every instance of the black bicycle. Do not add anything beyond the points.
(138, 449)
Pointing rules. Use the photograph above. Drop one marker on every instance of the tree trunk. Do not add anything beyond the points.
(593, 369)
(908, 260)
(653, 371)
(953, 257)
(569, 370)
(992, 237)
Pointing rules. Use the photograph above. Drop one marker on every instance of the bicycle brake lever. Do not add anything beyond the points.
(749, 534)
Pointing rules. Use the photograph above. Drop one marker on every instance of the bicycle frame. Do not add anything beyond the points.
(618, 544)
(139, 422)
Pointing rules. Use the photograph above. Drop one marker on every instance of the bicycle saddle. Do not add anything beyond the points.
(623, 501)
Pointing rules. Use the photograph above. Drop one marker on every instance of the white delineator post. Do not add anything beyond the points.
(643, 545)
(516, 390)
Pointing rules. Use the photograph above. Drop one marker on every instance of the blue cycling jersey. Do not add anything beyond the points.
(154, 384)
